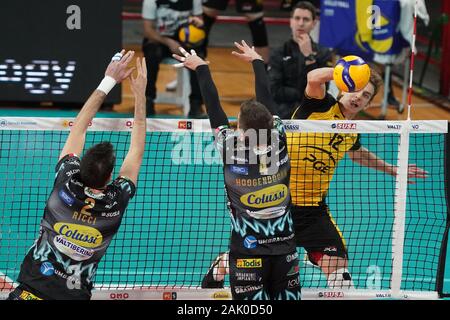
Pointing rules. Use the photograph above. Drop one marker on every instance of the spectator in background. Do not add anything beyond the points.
(287, 5)
(253, 11)
(162, 20)
(290, 63)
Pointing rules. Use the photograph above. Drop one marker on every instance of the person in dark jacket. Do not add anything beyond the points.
(290, 63)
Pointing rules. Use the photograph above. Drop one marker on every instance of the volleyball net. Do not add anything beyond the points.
(178, 221)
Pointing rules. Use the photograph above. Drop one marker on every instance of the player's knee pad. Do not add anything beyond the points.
(259, 32)
(340, 279)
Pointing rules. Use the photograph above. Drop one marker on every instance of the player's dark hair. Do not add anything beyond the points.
(305, 5)
(376, 81)
(254, 115)
(97, 165)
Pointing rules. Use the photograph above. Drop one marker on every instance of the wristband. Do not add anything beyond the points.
(107, 84)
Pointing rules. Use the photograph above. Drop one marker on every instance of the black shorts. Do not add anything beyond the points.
(242, 6)
(265, 277)
(22, 293)
(316, 231)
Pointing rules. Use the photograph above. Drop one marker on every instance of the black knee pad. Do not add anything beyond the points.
(259, 32)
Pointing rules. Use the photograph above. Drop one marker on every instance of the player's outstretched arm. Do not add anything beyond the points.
(366, 158)
(262, 85)
(217, 116)
(116, 72)
(133, 160)
(317, 79)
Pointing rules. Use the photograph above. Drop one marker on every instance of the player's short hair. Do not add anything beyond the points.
(305, 5)
(376, 81)
(255, 115)
(97, 165)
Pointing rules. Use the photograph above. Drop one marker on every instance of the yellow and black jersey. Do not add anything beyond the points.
(314, 156)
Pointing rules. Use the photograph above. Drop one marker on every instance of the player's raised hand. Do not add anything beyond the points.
(196, 21)
(415, 172)
(118, 67)
(189, 60)
(247, 53)
(139, 83)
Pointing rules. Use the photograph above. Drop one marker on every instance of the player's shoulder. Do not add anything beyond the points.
(311, 105)
(70, 161)
(224, 131)
(124, 184)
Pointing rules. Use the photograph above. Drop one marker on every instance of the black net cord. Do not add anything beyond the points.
(443, 254)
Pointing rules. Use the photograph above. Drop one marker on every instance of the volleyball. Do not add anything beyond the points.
(351, 73)
(191, 36)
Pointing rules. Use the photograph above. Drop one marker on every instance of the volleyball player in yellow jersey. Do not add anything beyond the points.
(314, 157)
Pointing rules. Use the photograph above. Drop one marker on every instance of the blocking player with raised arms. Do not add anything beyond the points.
(263, 259)
(314, 157)
(84, 210)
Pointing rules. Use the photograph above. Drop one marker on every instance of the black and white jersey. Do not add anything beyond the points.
(257, 186)
(77, 228)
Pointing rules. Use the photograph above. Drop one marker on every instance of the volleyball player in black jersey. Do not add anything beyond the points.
(263, 257)
(84, 211)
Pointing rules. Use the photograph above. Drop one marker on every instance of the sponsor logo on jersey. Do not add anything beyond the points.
(250, 242)
(244, 289)
(84, 236)
(283, 161)
(240, 276)
(90, 193)
(276, 239)
(109, 206)
(72, 250)
(268, 213)
(66, 198)
(259, 150)
(249, 263)
(47, 269)
(238, 159)
(293, 271)
(280, 150)
(293, 283)
(291, 257)
(267, 197)
(72, 172)
(110, 214)
(239, 170)
(25, 295)
(330, 249)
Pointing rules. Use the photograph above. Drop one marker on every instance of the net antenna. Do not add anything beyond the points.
(411, 66)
